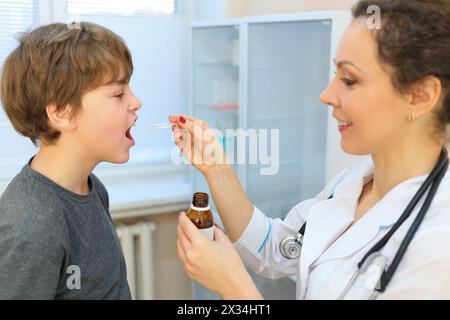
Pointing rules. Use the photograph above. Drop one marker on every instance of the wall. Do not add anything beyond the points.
(171, 282)
(222, 9)
(217, 9)
(257, 7)
(238, 8)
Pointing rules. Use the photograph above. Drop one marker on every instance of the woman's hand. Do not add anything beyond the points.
(214, 264)
(198, 143)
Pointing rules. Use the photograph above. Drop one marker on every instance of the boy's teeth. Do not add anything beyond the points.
(345, 123)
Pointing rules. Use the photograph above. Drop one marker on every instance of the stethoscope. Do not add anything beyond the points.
(291, 246)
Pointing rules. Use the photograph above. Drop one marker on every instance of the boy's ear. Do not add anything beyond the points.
(425, 95)
(61, 119)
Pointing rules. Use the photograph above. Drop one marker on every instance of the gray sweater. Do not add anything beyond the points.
(55, 244)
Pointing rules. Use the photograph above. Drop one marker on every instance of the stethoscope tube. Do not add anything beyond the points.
(442, 163)
(433, 181)
(389, 273)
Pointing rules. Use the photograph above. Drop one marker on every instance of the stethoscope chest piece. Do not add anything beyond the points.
(367, 277)
(291, 247)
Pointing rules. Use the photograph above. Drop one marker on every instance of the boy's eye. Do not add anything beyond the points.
(119, 95)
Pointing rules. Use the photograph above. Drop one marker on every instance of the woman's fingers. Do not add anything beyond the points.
(185, 251)
(184, 134)
(187, 244)
(182, 138)
(179, 135)
(191, 118)
(191, 131)
(183, 258)
(218, 233)
(184, 122)
(183, 143)
(184, 240)
(188, 122)
(175, 118)
(180, 251)
(191, 232)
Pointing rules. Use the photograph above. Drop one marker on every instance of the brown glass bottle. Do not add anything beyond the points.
(201, 215)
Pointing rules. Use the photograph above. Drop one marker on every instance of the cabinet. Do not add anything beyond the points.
(267, 73)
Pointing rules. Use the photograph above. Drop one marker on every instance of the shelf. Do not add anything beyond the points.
(211, 108)
(217, 65)
(284, 163)
(275, 117)
(273, 67)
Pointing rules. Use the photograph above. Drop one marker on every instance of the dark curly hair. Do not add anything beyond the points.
(414, 41)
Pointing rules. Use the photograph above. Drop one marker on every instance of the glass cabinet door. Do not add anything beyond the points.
(215, 96)
(215, 83)
(288, 67)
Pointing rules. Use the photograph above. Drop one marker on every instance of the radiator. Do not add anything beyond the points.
(137, 245)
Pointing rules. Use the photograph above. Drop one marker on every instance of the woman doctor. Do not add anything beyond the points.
(391, 100)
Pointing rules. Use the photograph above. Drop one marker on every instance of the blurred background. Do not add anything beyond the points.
(246, 64)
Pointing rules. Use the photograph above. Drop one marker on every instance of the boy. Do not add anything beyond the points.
(66, 88)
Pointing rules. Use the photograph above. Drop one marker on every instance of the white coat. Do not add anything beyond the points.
(328, 260)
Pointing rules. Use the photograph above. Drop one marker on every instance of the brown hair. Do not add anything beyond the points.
(415, 42)
(58, 64)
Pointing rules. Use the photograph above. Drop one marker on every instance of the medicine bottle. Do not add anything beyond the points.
(201, 215)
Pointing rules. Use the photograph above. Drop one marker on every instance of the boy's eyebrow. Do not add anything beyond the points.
(116, 82)
(339, 64)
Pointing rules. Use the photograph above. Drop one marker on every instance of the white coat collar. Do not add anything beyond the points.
(328, 219)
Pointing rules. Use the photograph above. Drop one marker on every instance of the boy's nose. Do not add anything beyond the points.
(136, 105)
(139, 104)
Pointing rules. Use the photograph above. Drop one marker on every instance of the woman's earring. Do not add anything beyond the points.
(412, 117)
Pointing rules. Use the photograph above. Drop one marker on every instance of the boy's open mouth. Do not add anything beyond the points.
(128, 133)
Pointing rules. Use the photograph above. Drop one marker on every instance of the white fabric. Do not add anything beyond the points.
(329, 260)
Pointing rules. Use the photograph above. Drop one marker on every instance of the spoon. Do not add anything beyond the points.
(162, 125)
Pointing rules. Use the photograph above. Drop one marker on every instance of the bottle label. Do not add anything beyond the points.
(199, 209)
(208, 232)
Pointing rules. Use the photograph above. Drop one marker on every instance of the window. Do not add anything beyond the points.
(15, 16)
(156, 31)
(121, 8)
